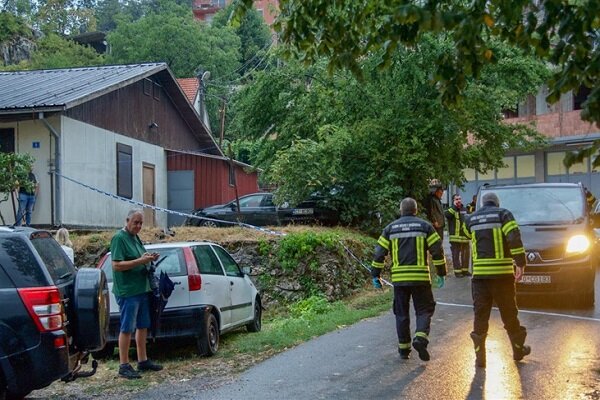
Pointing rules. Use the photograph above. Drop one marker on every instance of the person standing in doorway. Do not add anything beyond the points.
(459, 242)
(472, 205)
(498, 262)
(408, 240)
(27, 196)
(131, 287)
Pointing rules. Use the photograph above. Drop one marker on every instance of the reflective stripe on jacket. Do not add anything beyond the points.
(456, 219)
(496, 242)
(408, 240)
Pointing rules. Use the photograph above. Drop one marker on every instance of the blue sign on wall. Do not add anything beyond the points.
(36, 145)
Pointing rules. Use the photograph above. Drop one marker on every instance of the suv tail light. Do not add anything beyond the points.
(194, 277)
(44, 306)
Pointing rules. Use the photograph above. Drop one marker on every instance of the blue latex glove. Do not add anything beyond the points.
(377, 283)
(438, 282)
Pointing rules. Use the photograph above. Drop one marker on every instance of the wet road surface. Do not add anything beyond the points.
(361, 361)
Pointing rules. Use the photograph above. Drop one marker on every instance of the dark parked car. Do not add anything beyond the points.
(258, 209)
(52, 314)
(558, 237)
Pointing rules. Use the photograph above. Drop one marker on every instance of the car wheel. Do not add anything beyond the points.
(107, 352)
(208, 341)
(209, 224)
(92, 310)
(256, 323)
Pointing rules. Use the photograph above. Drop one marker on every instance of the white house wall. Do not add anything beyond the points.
(34, 138)
(89, 156)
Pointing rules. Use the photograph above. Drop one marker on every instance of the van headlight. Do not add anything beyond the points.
(578, 244)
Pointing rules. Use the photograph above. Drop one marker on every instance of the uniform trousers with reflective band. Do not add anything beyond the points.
(460, 256)
(501, 290)
(423, 303)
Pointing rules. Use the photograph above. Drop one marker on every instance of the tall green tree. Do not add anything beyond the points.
(382, 137)
(254, 34)
(14, 170)
(185, 44)
(563, 33)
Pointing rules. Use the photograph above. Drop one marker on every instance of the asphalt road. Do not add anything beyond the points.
(361, 361)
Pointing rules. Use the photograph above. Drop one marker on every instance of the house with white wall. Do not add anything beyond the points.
(101, 136)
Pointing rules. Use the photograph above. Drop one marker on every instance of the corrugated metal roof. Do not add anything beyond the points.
(64, 88)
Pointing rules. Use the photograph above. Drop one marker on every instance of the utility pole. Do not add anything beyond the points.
(222, 112)
(232, 169)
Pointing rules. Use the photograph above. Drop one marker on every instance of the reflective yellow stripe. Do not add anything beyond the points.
(421, 334)
(458, 239)
(383, 242)
(518, 250)
(431, 239)
(420, 250)
(492, 261)
(479, 270)
(474, 248)
(509, 226)
(404, 345)
(410, 273)
(457, 222)
(439, 262)
(395, 255)
(376, 264)
(498, 246)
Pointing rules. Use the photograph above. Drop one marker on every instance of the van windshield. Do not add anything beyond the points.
(542, 205)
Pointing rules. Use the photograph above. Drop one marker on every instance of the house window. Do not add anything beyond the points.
(124, 171)
(156, 91)
(526, 166)
(580, 97)
(554, 163)
(579, 168)
(231, 175)
(147, 87)
(469, 174)
(507, 172)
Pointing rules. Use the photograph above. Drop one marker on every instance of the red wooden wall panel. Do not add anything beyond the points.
(211, 177)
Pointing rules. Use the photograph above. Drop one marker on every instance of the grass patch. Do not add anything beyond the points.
(284, 332)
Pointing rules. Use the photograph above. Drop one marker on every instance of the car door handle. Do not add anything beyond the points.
(177, 283)
(231, 283)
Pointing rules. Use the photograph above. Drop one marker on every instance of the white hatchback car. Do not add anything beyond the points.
(212, 295)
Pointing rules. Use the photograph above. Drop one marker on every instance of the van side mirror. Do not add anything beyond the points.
(246, 270)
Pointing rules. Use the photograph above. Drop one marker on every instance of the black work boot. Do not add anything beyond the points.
(517, 341)
(479, 343)
(420, 345)
(403, 351)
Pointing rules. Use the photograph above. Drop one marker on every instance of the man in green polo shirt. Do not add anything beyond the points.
(131, 289)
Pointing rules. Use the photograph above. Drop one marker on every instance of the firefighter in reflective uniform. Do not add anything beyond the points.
(407, 240)
(496, 243)
(459, 242)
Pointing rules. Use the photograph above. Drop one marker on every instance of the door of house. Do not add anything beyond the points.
(149, 193)
(7, 140)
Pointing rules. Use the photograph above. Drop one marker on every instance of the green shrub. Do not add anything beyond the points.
(296, 247)
(307, 308)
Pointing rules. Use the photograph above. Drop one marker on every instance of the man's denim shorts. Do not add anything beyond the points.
(135, 312)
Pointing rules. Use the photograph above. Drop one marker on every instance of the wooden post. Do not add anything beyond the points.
(235, 188)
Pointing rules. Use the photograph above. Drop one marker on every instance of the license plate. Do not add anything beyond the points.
(535, 279)
(303, 211)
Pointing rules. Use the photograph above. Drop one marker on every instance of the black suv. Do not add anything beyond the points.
(52, 314)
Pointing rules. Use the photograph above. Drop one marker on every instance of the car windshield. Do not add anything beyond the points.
(542, 205)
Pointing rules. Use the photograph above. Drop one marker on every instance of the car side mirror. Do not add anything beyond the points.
(246, 270)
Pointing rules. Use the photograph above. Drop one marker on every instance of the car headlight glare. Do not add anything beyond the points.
(578, 244)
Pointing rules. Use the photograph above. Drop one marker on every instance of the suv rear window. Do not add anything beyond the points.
(20, 264)
(58, 264)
